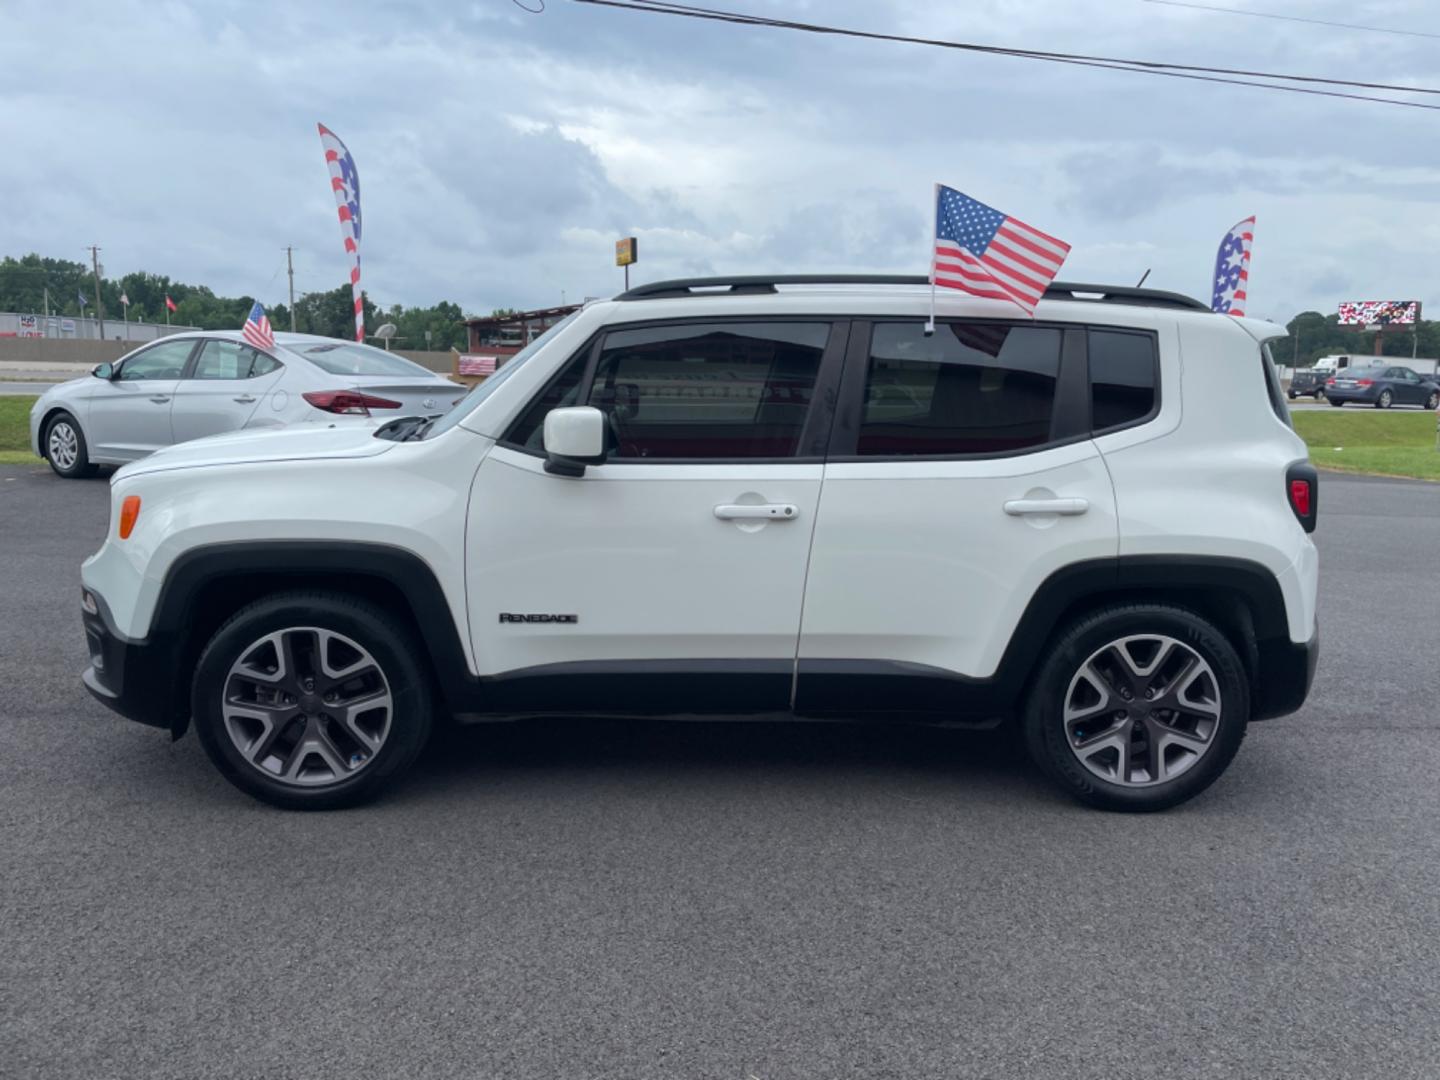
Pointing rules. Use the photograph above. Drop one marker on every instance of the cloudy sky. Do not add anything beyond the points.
(502, 153)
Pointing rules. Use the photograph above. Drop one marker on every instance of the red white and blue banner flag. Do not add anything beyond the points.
(1230, 287)
(345, 181)
(981, 251)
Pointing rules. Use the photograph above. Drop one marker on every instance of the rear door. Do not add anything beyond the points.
(129, 416)
(961, 475)
(223, 386)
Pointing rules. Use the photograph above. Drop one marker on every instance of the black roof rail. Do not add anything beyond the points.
(1121, 294)
(751, 284)
(762, 283)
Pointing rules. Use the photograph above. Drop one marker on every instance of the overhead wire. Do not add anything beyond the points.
(1203, 73)
(1293, 18)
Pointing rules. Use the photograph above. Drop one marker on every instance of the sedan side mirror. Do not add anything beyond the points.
(103, 371)
(574, 437)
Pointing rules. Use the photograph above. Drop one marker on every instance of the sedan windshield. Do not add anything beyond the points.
(352, 358)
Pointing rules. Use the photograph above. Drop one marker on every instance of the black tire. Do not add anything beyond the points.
(1043, 720)
(1384, 400)
(1337, 404)
(1320, 394)
(1433, 401)
(80, 467)
(1291, 394)
(367, 625)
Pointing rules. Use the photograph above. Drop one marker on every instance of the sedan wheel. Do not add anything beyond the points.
(1384, 400)
(1433, 401)
(65, 448)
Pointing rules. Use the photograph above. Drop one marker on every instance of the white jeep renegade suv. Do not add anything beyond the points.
(747, 496)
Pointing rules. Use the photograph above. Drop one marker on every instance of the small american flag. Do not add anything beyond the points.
(478, 365)
(981, 251)
(1231, 284)
(257, 329)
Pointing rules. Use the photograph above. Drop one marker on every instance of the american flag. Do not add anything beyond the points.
(257, 329)
(1231, 284)
(979, 250)
(345, 183)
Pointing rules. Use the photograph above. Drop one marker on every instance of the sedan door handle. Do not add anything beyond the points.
(159, 399)
(763, 512)
(244, 399)
(1067, 507)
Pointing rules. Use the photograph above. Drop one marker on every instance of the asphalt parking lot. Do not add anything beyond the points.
(633, 900)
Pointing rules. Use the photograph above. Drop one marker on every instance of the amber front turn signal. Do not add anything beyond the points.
(129, 511)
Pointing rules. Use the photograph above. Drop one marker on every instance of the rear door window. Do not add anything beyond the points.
(967, 389)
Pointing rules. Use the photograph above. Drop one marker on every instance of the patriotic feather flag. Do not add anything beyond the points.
(345, 182)
(986, 253)
(1230, 287)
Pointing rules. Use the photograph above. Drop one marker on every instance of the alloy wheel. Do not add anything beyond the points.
(1142, 710)
(63, 445)
(307, 707)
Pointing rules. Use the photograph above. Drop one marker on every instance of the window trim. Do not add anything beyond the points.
(1158, 401)
(1069, 419)
(166, 340)
(814, 433)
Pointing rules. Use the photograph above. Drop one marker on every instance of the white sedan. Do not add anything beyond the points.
(192, 385)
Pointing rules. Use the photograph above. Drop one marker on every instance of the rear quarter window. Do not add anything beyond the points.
(1124, 378)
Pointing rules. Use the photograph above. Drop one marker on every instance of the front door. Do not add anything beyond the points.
(670, 577)
(962, 475)
(129, 416)
(223, 389)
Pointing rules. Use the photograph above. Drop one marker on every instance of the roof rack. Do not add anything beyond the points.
(753, 284)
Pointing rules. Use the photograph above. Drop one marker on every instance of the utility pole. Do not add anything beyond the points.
(290, 269)
(47, 304)
(99, 307)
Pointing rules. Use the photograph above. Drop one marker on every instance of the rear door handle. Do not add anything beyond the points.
(763, 512)
(1067, 507)
(244, 399)
(159, 399)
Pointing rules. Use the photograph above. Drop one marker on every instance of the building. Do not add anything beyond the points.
(502, 336)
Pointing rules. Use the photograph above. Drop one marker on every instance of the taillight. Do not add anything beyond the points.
(1302, 484)
(129, 511)
(348, 402)
(1363, 382)
(1330, 381)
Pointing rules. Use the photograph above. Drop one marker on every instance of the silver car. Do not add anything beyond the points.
(192, 385)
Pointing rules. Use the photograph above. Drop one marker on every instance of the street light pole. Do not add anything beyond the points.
(99, 307)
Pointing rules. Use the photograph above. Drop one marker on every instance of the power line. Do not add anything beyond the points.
(1293, 18)
(1233, 76)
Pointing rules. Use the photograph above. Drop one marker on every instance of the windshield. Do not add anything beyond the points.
(352, 358)
(472, 400)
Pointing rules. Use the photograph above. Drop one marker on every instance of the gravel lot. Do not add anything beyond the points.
(634, 900)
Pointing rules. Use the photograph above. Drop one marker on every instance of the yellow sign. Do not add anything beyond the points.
(627, 251)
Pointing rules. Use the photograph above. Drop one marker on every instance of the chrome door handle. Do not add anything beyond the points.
(763, 512)
(1066, 507)
(159, 399)
(244, 399)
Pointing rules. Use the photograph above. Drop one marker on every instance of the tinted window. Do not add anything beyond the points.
(1122, 378)
(564, 389)
(970, 388)
(264, 365)
(352, 358)
(716, 390)
(163, 361)
(229, 360)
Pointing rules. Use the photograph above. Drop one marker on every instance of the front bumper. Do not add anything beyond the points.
(1284, 676)
(137, 679)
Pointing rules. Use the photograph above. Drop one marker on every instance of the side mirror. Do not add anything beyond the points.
(103, 371)
(574, 438)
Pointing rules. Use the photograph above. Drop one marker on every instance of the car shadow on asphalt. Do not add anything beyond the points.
(641, 748)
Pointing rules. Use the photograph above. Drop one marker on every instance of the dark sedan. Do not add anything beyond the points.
(1382, 387)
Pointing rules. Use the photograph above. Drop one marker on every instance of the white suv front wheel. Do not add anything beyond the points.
(1138, 707)
(311, 700)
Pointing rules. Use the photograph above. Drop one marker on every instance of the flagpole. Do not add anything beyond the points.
(935, 230)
